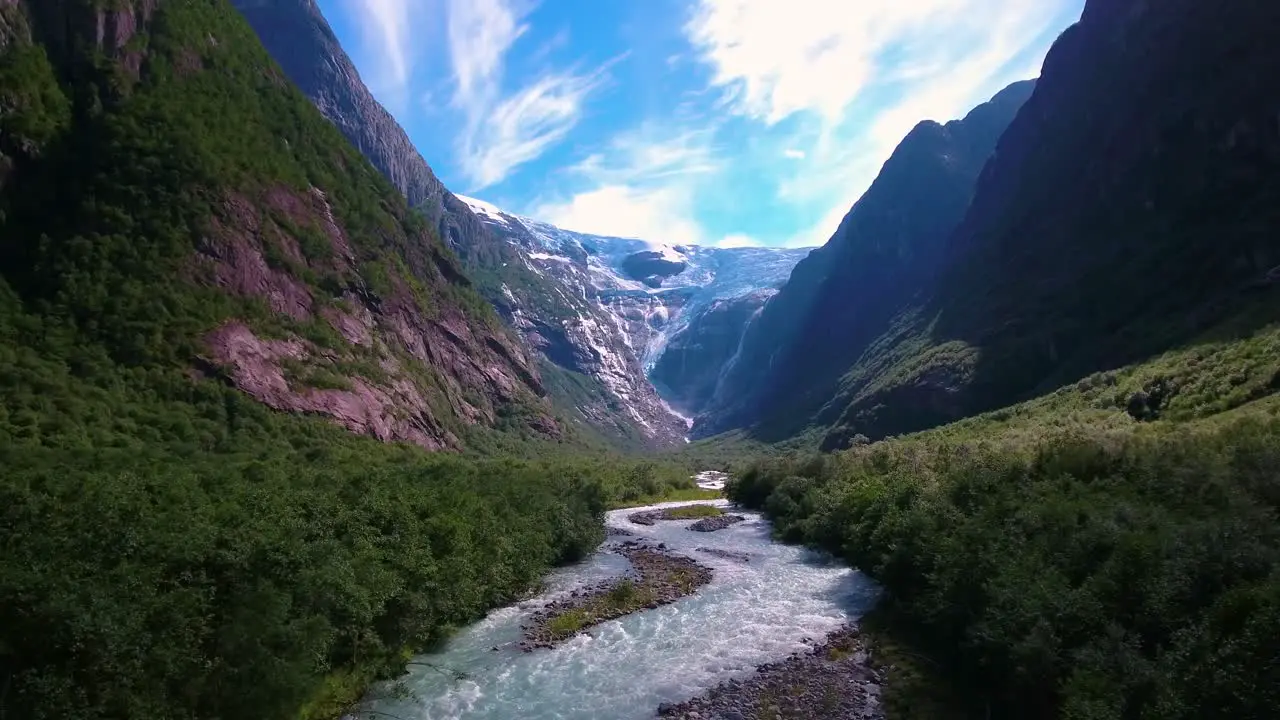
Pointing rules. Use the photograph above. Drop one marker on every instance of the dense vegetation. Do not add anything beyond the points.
(171, 548)
(1066, 558)
(174, 549)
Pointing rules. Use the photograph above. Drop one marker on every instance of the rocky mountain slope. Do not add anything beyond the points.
(211, 220)
(887, 250)
(604, 393)
(1131, 207)
(692, 365)
(632, 299)
(297, 35)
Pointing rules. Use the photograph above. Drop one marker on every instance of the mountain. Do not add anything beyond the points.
(692, 364)
(211, 220)
(601, 392)
(297, 35)
(886, 251)
(630, 298)
(1131, 207)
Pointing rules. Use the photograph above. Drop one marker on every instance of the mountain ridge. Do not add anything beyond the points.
(1159, 197)
(885, 251)
(282, 268)
(610, 396)
(626, 317)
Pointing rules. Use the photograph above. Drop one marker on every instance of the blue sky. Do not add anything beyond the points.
(717, 122)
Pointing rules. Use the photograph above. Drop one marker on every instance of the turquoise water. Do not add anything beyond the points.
(749, 614)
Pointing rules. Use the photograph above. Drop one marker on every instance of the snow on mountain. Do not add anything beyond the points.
(625, 298)
(483, 209)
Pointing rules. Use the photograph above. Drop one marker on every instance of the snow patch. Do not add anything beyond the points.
(549, 256)
(485, 210)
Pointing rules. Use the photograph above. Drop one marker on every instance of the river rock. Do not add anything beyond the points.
(834, 679)
(719, 522)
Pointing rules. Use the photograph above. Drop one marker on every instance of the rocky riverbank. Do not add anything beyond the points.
(833, 680)
(658, 578)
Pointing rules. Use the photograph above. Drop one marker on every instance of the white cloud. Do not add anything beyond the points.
(502, 131)
(779, 58)
(502, 136)
(852, 78)
(643, 185)
(385, 27)
(480, 33)
(660, 214)
(738, 240)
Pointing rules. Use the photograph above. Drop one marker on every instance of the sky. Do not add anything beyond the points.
(711, 122)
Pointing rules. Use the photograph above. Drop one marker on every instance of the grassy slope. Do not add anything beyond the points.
(1059, 558)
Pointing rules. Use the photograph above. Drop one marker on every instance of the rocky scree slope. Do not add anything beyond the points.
(887, 251)
(296, 33)
(1131, 207)
(636, 301)
(210, 218)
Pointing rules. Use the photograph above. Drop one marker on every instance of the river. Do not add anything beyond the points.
(751, 613)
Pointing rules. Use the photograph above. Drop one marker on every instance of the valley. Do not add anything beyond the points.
(290, 430)
(764, 601)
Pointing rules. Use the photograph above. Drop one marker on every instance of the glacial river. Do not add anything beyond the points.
(751, 613)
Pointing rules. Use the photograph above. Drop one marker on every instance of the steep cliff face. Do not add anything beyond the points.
(692, 365)
(884, 254)
(1131, 207)
(211, 218)
(297, 35)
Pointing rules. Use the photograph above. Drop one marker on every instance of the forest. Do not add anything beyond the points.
(1106, 551)
(173, 548)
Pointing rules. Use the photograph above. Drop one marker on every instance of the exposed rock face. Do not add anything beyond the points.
(330, 300)
(598, 332)
(602, 389)
(651, 267)
(397, 412)
(617, 327)
(886, 251)
(696, 356)
(297, 35)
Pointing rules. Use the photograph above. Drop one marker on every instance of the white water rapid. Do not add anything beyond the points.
(750, 613)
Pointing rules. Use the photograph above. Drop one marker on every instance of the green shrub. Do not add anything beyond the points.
(1087, 576)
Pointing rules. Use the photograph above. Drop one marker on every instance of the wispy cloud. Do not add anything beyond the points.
(385, 42)
(502, 131)
(643, 184)
(504, 134)
(777, 58)
(854, 77)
